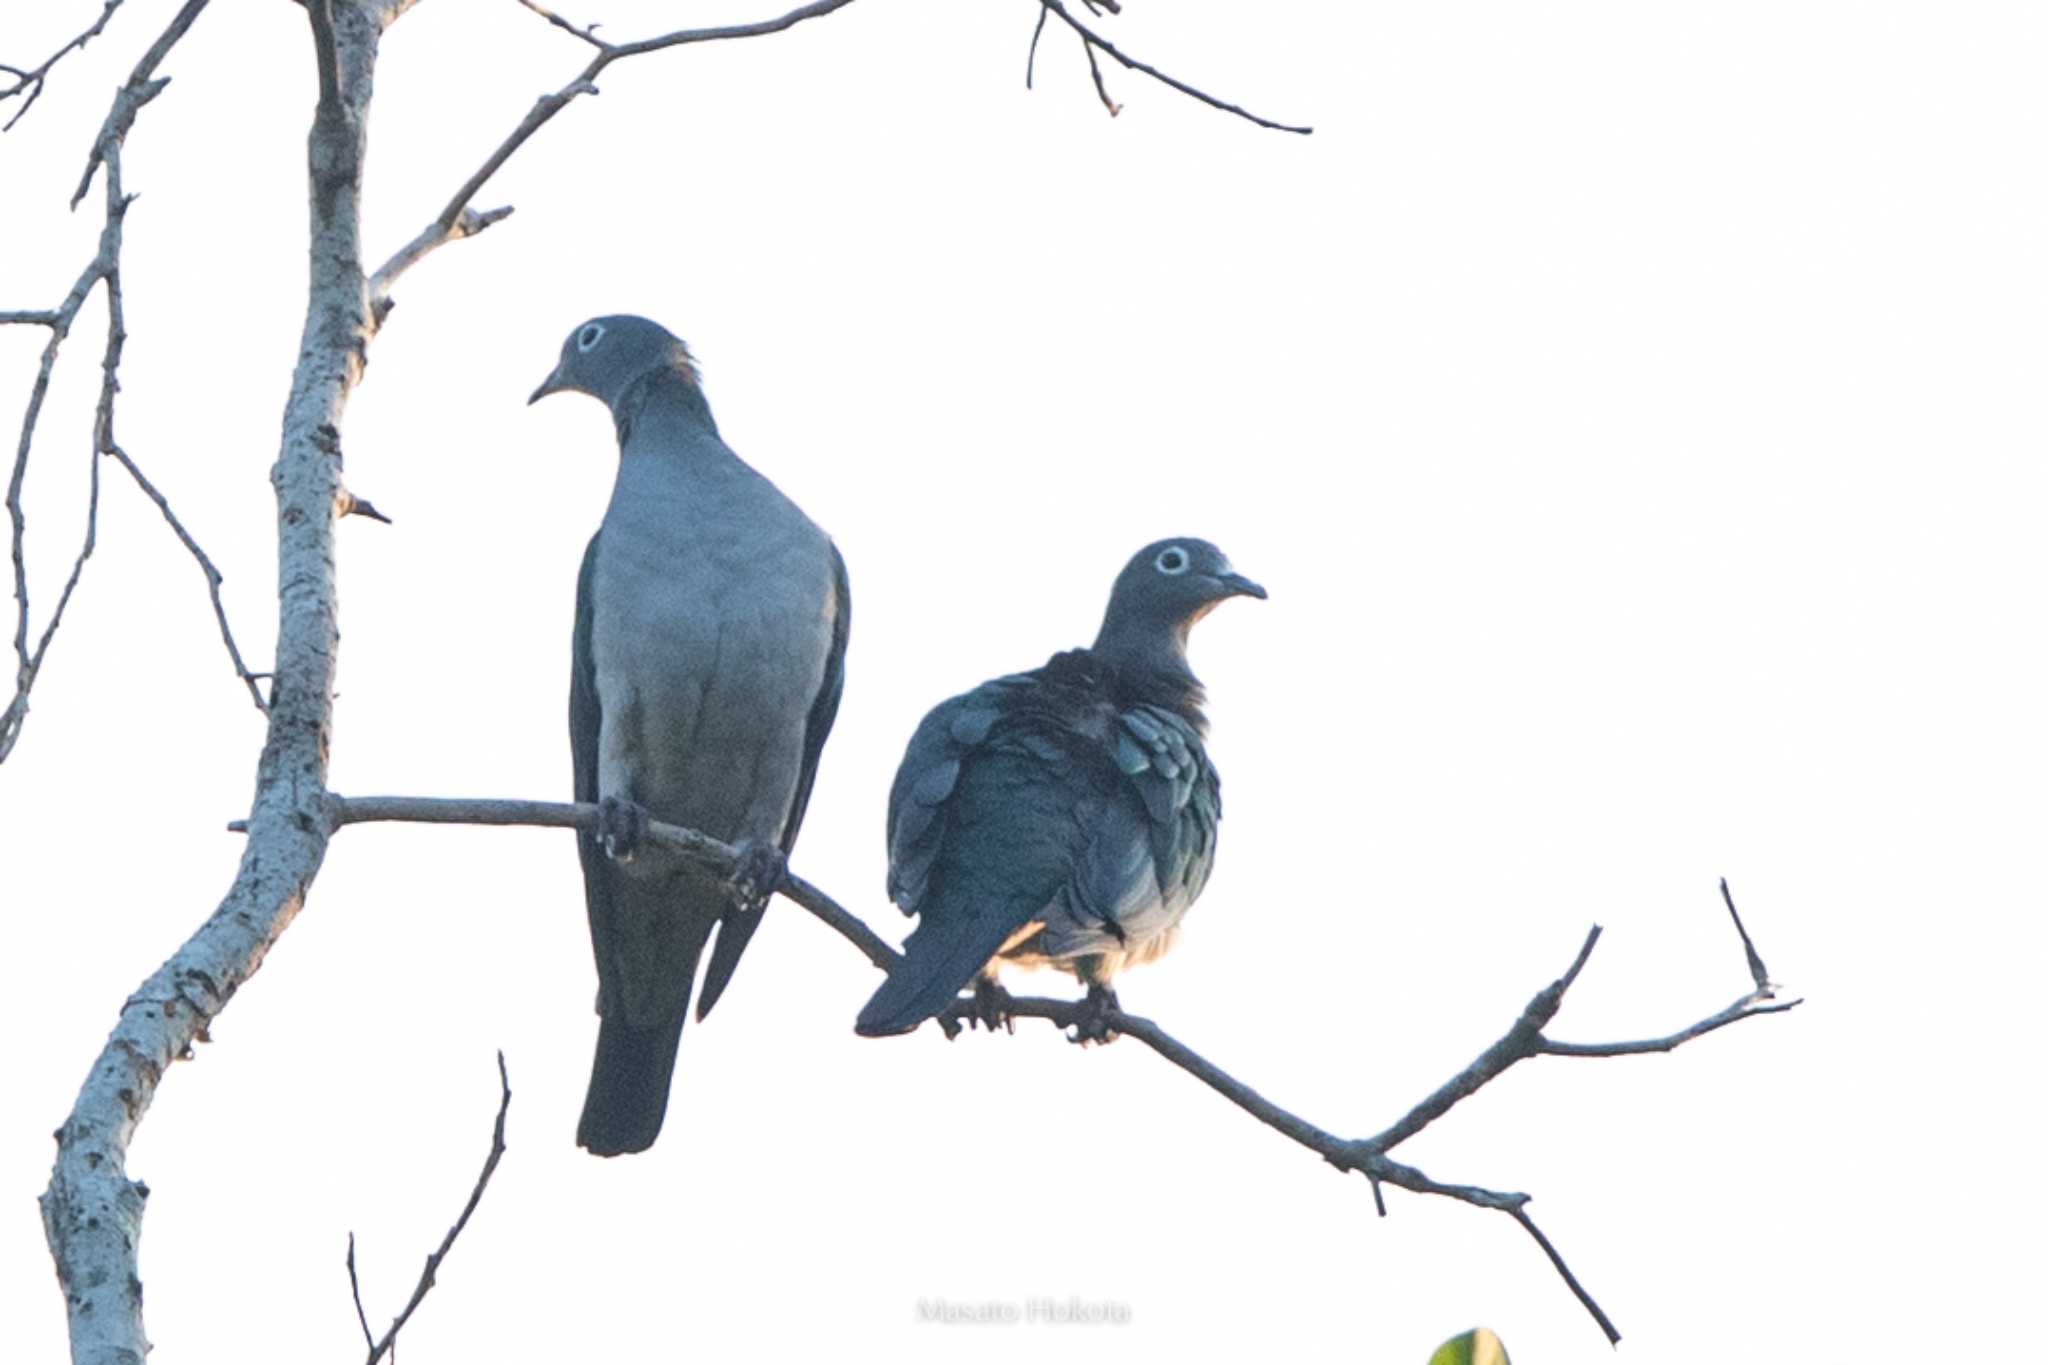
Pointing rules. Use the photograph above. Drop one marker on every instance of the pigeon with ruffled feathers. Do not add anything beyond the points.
(1066, 816)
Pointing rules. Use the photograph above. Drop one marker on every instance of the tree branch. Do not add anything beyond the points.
(92, 1212)
(1368, 1156)
(699, 848)
(1095, 42)
(104, 268)
(1031, 57)
(32, 81)
(206, 567)
(388, 1343)
(28, 664)
(457, 220)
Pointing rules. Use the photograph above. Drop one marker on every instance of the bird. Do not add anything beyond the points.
(708, 659)
(1065, 816)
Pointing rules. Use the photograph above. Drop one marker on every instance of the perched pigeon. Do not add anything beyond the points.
(1066, 815)
(711, 620)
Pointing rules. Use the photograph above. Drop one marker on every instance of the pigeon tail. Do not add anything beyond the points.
(650, 940)
(629, 1081)
(734, 931)
(939, 959)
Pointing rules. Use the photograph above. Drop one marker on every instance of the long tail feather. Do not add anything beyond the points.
(939, 958)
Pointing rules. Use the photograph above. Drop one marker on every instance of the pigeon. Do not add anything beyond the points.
(709, 651)
(1065, 816)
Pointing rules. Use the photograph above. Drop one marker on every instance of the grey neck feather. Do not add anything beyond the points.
(664, 395)
(1149, 663)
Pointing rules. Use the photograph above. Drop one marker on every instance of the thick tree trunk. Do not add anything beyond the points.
(92, 1212)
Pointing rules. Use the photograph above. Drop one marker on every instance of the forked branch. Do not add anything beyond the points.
(1524, 1038)
(388, 1343)
(458, 220)
(104, 269)
(28, 82)
(1093, 42)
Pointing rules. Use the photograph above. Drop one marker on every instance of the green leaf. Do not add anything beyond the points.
(1476, 1347)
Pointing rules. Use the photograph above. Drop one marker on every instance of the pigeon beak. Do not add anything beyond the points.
(552, 384)
(1240, 586)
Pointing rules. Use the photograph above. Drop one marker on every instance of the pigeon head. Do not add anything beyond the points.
(605, 357)
(1167, 587)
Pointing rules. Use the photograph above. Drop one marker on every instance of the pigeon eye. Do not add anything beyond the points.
(589, 336)
(1172, 560)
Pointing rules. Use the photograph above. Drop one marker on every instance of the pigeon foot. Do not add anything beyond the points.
(757, 873)
(621, 825)
(992, 1006)
(1093, 1025)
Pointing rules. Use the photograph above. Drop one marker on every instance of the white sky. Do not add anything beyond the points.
(1633, 410)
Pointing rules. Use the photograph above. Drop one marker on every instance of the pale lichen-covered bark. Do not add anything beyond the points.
(92, 1212)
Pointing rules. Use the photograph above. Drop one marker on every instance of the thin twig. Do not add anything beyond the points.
(1369, 1157)
(32, 80)
(433, 236)
(27, 664)
(206, 567)
(35, 661)
(1095, 70)
(1521, 1215)
(1095, 40)
(388, 1343)
(1523, 1039)
(1031, 57)
(1756, 963)
(1748, 1005)
(139, 89)
(457, 220)
(347, 504)
(701, 848)
(588, 35)
(355, 1289)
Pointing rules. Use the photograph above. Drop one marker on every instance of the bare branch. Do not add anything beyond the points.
(17, 710)
(1095, 41)
(451, 224)
(588, 35)
(458, 220)
(1031, 57)
(388, 1343)
(347, 504)
(206, 567)
(92, 1212)
(1756, 963)
(32, 81)
(355, 1289)
(1095, 70)
(136, 92)
(29, 317)
(105, 267)
(1523, 1039)
(1368, 1156)
(700, 848)
(1748, 1006)
(29, 663)
(1521, 1215)
(433, 236)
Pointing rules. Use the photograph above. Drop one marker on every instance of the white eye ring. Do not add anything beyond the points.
(589, 337)
(1172, 560)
